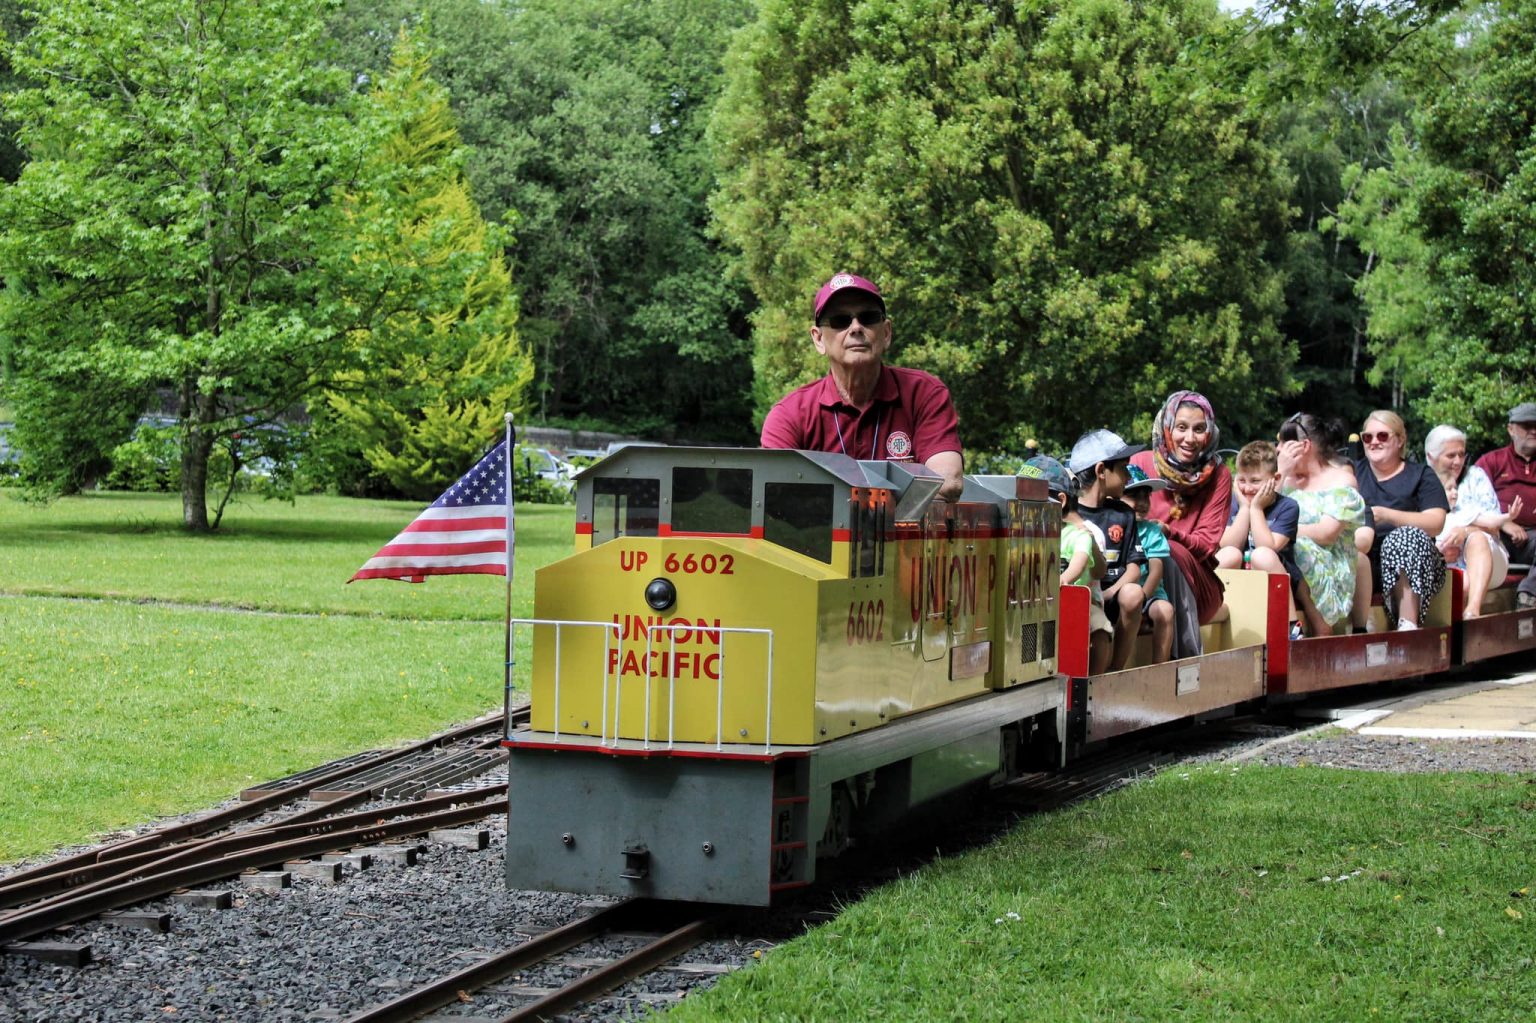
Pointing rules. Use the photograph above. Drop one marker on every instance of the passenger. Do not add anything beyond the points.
(1158, 610)
(1409, 506)
(1512, 469)
(1193, 510)
(1262, 527)
(1082, 555)
(863, 408)
(1470, 540)
(1330, 510)
(1261, 532)
(1099, 461)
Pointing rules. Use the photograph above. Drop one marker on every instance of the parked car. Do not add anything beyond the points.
(8, 454)
(547, 465)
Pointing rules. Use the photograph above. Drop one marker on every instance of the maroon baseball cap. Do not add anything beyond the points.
(842, 282)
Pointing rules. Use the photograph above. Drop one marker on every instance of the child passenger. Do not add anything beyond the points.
(1154, 546)
(1262, 526)
(1100, 461)
(1082, 554)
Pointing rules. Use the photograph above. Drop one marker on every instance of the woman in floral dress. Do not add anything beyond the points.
(1331, 510)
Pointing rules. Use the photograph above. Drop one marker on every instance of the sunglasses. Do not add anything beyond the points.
(1292, 429)
(841, 321)
(1379, 437)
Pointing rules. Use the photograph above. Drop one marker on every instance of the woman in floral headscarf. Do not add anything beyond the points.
(1194, 508)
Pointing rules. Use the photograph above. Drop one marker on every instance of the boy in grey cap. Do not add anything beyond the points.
(1512, 469)
(1100, 460)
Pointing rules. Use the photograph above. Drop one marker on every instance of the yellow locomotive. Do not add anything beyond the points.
(754, 655)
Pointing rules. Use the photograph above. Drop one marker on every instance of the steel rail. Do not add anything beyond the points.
(217, 821)
(32, 921)
(625, 968)
(97, 876)
(438, 993)
(625, 915)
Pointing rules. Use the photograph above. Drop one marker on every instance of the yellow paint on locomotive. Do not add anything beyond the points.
(695, 674)
(945, 615)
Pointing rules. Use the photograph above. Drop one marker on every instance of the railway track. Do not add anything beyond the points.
(612, 961)
(85, 885)
(659, 932)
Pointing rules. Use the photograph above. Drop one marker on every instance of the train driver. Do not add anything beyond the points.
(863, 408)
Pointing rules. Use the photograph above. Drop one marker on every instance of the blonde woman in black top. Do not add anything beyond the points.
(1409, 506)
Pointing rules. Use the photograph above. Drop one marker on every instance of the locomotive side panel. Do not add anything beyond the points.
(1026, 596)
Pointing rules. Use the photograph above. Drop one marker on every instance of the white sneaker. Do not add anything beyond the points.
(1406, 625)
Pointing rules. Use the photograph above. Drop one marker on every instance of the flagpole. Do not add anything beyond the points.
(506, 709)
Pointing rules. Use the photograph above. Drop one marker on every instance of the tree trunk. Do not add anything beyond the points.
(196, 446)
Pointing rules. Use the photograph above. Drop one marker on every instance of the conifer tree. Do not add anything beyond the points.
(435, 374)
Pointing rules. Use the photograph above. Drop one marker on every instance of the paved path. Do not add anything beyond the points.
(1482, 709)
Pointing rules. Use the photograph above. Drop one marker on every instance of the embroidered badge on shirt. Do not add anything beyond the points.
(898, 445)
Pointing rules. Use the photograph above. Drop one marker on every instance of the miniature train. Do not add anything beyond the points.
(756, 657)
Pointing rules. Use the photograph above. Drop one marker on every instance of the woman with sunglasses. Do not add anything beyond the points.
(1410, 506)
(1331, 510)
(1194, 508)
(1470, 540)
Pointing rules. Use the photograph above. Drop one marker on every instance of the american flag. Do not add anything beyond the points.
(466, 531)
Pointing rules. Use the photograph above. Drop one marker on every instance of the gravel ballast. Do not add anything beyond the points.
(322, 951)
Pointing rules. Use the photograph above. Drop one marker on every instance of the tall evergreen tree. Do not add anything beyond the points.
(436, 375)
(585, 120)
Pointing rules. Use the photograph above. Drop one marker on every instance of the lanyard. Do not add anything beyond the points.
(837, 421)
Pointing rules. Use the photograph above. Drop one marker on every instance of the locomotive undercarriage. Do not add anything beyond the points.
(697, 825)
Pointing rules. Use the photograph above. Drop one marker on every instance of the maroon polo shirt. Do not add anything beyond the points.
(1512, 477)
(911, 419)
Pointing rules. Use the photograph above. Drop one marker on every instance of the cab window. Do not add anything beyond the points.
(624, 507)
(711, 500)
(866, 548)
(798, 516)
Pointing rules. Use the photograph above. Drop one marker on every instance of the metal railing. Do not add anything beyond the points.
(613, 681)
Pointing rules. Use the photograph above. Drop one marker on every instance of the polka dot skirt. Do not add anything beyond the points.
(1409, 552)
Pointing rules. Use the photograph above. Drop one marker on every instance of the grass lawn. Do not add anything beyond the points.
(268, 554)
(1215, 893)
(114, 711)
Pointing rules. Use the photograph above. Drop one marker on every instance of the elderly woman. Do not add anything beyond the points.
(1470, 540)
(1331, 511)
(1409, 506)
(1194, 508)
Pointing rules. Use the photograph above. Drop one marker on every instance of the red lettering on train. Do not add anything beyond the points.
(686, 630)
(666, 664)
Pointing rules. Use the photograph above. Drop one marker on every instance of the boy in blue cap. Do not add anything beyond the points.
(1158, 609)
(1082, 555)
(1100, 460)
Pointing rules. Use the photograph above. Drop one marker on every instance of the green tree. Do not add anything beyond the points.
(434, 379)
(13, 25)
(584, 120)
(1320, 138)
(175, 226)
(1071, 211)
(1451, 225)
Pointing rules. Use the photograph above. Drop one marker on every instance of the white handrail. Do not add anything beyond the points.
(613, 641)
(720, 632)
(559, 623)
